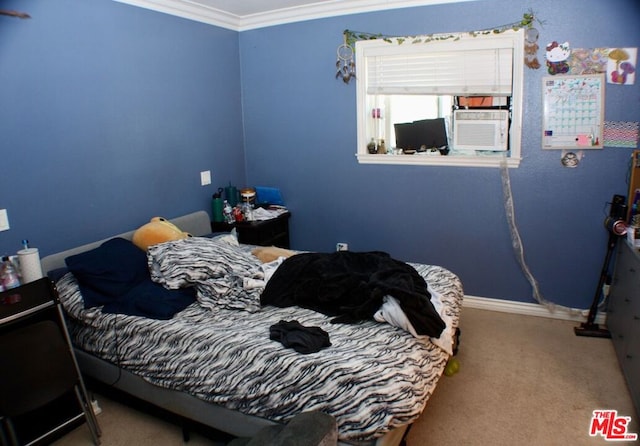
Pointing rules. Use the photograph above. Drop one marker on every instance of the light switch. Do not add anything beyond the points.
(205, 177)
(4, 220)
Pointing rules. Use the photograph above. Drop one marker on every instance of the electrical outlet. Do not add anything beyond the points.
(4, 220)
(205, 178)
(341, 246)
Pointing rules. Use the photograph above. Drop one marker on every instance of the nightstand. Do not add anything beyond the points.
(273, 232)
(49, 400)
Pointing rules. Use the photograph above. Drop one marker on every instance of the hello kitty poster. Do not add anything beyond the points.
(557, 55)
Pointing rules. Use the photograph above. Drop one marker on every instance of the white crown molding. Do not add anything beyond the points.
(193, 10)
(189, 10)
(332, 8)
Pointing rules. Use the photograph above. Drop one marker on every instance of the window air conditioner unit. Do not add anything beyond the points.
(481, 130)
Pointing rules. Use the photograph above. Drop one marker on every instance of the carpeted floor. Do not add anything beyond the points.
(523, 381)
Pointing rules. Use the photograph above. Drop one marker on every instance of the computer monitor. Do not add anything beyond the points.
(426, 132)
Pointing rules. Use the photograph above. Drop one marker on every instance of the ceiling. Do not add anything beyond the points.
(242, 15)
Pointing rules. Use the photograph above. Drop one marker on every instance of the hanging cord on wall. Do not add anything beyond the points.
(519, 248)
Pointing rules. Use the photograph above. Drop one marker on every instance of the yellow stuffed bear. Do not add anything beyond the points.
(158, 230)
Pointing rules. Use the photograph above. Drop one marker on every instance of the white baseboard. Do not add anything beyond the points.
(529, 309)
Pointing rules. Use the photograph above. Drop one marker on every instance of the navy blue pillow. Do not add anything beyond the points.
(152, 300)
(109, 271)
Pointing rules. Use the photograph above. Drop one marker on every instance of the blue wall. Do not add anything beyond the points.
(109, 112)
(300, 134)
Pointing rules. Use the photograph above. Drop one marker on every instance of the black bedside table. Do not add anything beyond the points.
(31, 305)
(273, 232)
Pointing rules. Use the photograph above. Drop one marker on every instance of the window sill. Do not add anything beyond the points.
(437, 160)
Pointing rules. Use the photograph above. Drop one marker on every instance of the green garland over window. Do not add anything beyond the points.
(527, 21)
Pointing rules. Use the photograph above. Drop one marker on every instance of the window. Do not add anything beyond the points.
(454, 100)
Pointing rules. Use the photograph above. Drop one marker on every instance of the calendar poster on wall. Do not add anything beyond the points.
(573, 114)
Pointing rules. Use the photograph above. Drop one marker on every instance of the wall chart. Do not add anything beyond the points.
(573, 114)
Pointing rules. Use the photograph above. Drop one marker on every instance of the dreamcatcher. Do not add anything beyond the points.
(345, 64)
(531, 48)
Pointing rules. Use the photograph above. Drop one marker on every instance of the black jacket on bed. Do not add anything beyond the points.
(351, 286)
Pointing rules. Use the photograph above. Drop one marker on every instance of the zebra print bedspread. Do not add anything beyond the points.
(373, 378)
(224, 274)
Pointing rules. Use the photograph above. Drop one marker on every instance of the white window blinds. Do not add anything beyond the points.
(430, 68)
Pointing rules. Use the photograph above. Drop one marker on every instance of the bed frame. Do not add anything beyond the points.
(179, 403)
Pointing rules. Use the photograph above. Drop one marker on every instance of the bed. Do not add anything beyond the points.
(217, 361)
